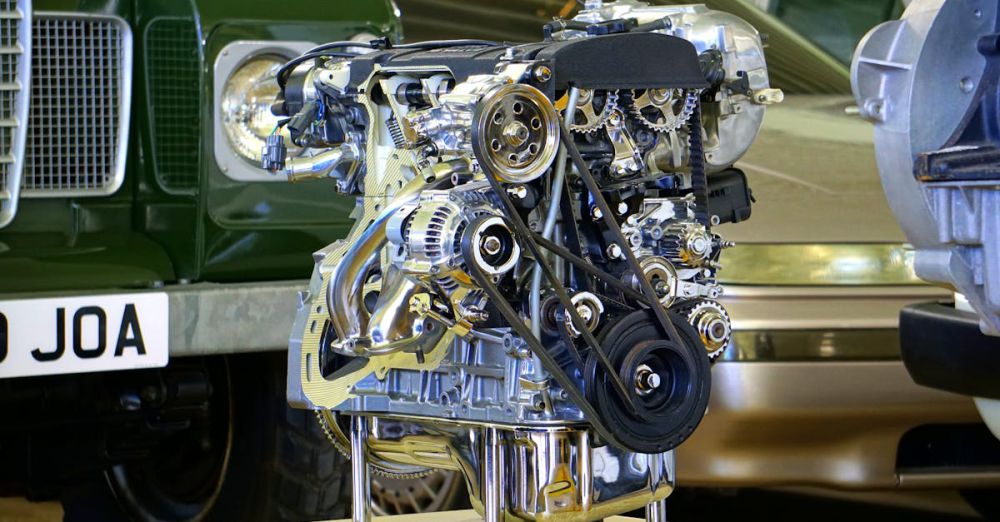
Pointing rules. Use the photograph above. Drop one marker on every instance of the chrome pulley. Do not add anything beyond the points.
(661, 274)
(515, 132)
(663, 110)
(494, 249)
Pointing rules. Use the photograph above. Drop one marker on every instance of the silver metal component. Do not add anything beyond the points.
(542, 73)
(62, 100)
(916, 79)
(687, 243)
(662, 275)
(730, 122)
(515, 130)
(593, 116)
(627, 159)
(656, 511)
(710, 320)
(494, 231)
(401, 337)
(340, 163)
(492, 471)
(552, 474)
(487, 379)
(670, 109)
(15, 80)
(361, 498)
(347, 314)
(229, 59)
(646, 380)
(590, 309)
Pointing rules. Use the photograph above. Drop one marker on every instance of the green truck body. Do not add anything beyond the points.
(176, 216)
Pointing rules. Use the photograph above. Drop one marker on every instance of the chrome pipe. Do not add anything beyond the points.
(534, 297)
(339, 163)
(492, 471)
(348, 316)
(361, 500)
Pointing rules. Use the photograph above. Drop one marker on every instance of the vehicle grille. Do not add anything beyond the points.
(172, 62)
(80, 93)
(13, 50)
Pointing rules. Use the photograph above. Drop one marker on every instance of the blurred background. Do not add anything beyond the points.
(820, 222)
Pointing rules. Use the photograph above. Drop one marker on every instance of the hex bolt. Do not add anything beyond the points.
(543, 73)
(491, 245)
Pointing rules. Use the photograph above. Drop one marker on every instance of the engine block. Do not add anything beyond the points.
(529, 293)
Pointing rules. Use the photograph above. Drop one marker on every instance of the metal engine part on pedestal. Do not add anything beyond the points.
(928, 83)
(528, 294)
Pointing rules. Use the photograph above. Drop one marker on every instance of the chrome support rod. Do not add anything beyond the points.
(657, 511)
(492, 470)
(361, 501)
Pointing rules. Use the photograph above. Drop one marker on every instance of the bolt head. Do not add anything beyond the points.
(543, 73)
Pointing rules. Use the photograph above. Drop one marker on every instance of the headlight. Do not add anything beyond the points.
(246, 105)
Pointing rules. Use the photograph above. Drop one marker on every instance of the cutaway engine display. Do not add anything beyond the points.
(529, 293)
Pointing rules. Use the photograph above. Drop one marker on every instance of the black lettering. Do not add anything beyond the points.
(102, 332)
(130, 323)
(3, 337)
(41, 356)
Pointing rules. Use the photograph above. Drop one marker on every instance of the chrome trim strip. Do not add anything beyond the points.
(827, 264)
(124, 109)
(822, 307)
(231, 57)
(949, 479)
(8, 205)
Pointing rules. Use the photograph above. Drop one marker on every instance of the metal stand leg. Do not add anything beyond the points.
(492, 470)
(657, 511)
(360, 480)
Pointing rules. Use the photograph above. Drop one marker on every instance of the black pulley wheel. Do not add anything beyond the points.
(669, 379)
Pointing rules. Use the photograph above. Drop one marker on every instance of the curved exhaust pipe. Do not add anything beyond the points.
(344, 299)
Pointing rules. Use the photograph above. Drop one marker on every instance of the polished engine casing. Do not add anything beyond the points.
(394, 325)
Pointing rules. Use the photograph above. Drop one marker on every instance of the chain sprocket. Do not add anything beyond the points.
(593, 114)
(663, 110)
(710, 319)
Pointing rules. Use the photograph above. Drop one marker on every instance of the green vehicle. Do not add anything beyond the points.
(148, 268)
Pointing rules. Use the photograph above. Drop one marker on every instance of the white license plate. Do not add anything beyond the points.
(83, 334)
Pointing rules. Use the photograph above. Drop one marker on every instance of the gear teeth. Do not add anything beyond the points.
(610, 106)
(673, 121)
(690, 311)
(374, 466)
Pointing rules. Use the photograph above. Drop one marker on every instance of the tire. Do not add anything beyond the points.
(277, 463)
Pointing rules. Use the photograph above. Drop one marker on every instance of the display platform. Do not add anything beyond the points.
(465, 515)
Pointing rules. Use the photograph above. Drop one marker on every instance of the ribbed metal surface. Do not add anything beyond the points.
(172, 64)
(794, 63)
(13, 51)
(79, 91)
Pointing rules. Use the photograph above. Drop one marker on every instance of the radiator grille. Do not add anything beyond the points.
(13, 50)
(79, 104)
(172, 61)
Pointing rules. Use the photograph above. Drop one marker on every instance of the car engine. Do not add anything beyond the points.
(529, 293)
